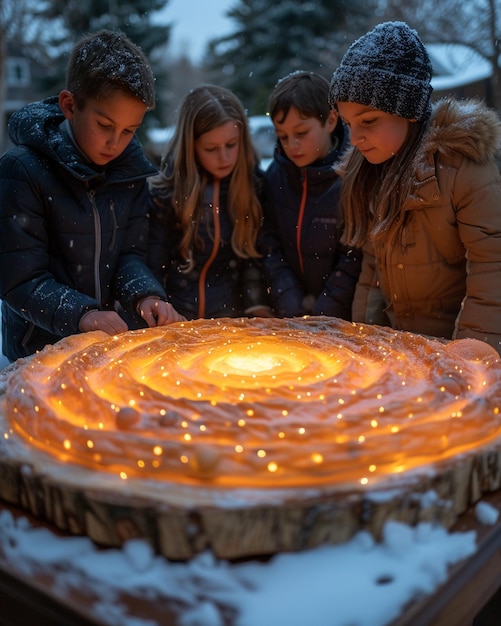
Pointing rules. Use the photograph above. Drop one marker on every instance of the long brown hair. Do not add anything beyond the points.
(183, 181)
(372, 196)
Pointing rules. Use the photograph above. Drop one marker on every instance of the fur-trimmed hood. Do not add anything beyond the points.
(464, 127)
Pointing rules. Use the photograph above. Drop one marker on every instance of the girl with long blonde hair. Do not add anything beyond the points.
(205, 212)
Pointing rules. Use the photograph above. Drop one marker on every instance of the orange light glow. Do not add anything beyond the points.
(257, 403)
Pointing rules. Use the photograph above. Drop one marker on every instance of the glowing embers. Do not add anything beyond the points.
(257, 403)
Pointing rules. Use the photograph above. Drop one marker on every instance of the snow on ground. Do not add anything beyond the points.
(360, 583)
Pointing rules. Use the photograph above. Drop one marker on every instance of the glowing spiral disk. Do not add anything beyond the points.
(258, 403)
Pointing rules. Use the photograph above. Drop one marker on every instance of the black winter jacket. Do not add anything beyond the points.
(73, 236)
(220, 284)
(306, 268)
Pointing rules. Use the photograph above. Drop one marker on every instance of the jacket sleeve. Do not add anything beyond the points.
(254, 289)
(286, 294)
(159, 239)
(135, 279)
(368, 302)
(26, 281)
(477, 197)
(337, 296)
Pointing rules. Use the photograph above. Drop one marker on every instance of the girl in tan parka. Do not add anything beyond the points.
(421, 193)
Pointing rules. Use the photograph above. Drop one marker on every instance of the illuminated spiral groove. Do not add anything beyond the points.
(258, 403)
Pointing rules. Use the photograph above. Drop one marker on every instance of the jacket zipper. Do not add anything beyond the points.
(215, 248)
(27, 335)
(389, 247)
(115, 225)
(299, 225)
(97, 241)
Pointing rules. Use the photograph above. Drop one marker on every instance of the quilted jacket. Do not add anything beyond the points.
(220, 284)
(307, 270)
(73, 236)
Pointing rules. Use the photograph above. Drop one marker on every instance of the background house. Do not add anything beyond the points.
(20, 86)
(459, 70)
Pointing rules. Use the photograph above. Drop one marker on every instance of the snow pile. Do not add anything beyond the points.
(360, 583)
(486, 513)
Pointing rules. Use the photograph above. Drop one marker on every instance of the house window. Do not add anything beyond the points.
(18, 72)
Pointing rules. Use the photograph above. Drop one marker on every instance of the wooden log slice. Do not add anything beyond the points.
(395, 427)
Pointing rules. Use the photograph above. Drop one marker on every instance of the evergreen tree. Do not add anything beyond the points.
(274, 39)
(56, 25)
(80, 17)
(69, 20)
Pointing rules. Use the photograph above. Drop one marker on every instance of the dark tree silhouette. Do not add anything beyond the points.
(476, 23)
(272, 39)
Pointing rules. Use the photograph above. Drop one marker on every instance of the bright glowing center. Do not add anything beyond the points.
(268, 362)
(244, 363)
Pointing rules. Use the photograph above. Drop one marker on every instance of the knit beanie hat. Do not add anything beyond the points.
(388, 69)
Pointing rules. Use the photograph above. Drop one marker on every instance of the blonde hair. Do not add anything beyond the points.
(372, 196)
(182, 181)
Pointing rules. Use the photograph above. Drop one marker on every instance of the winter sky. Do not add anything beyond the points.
(194, 23)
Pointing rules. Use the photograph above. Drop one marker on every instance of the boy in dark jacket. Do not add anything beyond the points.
(73, 223)
(306, 269)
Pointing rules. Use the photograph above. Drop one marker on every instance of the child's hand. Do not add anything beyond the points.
(157, 312)
(109, 321)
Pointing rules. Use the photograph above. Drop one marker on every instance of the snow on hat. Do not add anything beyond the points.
(388, 69)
